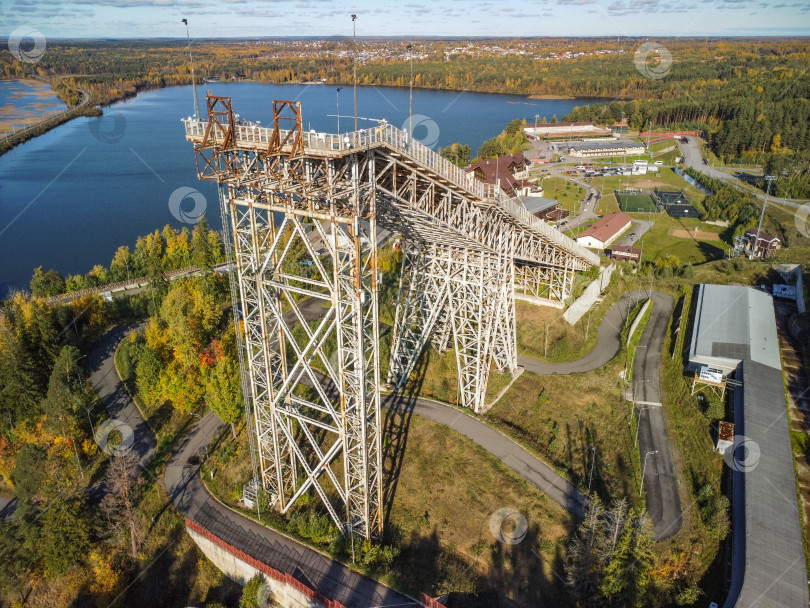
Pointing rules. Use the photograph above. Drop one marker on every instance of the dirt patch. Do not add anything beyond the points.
(698, 235)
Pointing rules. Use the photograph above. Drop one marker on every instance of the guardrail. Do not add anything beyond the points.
(396, 139)
(285, 577)
(352, 141)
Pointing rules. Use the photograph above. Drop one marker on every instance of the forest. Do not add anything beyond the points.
(750, 96)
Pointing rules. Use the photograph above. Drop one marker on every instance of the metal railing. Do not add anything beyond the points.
(398, 140)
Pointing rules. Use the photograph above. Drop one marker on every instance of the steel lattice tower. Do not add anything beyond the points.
(466, 257)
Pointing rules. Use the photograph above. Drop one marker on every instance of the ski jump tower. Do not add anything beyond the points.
(304, 212)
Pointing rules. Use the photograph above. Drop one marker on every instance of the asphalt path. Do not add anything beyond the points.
(187, 492)
(608, 341)
(532, 469)
(660, 478)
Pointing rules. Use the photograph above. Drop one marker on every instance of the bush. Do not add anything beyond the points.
(255, 591)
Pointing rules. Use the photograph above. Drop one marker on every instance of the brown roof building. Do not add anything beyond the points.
(766, 245)
(604, 231)
(501, 171)
(623, 253)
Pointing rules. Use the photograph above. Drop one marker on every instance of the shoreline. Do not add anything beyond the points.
(553, 97)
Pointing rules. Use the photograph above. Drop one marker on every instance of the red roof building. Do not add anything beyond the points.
(604, 231)
(766, 245)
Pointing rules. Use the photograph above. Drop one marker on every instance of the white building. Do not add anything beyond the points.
(604, 231)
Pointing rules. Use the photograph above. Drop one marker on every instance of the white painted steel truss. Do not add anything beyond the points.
(303, 212)
(462, 299)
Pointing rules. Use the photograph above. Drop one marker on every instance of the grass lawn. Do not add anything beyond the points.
(636, 203)
(661, 240)
(568, 193)
(444, 491)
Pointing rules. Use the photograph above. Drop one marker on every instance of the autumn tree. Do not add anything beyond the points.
(119, 505)
(47, 284)
(223, 392)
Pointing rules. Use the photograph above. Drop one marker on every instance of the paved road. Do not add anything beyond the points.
(319, 572)
(184, 487)
(692, 158)
(502, 447)
(113, 395)
(608, 342)
(660, 480)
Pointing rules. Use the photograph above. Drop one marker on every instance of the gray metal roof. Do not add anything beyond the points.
(768, 564)
(536, 204)
(606, 145)
(733, 323)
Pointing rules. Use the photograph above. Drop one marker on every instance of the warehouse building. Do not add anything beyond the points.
(734, 332)
(589, 149)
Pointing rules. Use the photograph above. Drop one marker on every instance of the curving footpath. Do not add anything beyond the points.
(608, 342)
(188, 494)
(332, 579)
(660, 480)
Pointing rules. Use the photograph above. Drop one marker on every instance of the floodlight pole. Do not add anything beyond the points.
(354, 66)
(769, 179)
(643, 469)
(593, 458)
(337, 94)
(410, 115)
(193, 79)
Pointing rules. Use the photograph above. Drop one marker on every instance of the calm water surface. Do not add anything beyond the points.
(70, 197)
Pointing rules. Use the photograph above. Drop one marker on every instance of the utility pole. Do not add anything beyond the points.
(354, 66)
(593, 458)
(410, 116)
(769, 179)
(193, 80)
(643, 469)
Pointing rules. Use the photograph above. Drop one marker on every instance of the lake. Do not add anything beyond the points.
(70, 197)
(21, 100)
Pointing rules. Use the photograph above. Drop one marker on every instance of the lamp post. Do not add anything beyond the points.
(769, 179)
(193, 80)
(643, 469)
(593, 458)
(410, 116)
(354, 66)
(337, 94)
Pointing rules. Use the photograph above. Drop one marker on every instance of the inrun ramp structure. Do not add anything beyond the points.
(301, 211)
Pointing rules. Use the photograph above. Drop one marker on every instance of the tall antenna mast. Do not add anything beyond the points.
(193, 80)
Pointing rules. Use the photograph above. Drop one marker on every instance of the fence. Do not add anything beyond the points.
(282, 577)
(387, 134)
(277, 575)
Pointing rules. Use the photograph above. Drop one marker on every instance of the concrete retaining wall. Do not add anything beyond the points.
(637, 320)
(584, 302)
(241, 567)
(241, 572)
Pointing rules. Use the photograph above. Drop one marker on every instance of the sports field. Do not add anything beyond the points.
(635, 203)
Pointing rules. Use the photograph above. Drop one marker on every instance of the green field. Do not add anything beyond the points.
(568, 193)
(636, 203)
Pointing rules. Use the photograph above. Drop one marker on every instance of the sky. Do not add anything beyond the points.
(495, 18)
